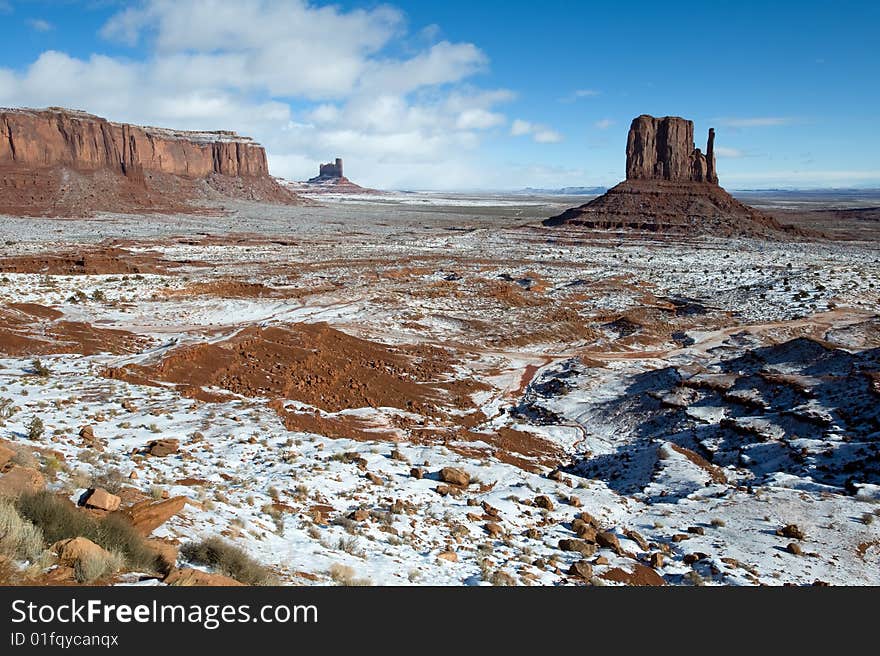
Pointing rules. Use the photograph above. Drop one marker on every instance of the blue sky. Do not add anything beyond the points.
(469, 95)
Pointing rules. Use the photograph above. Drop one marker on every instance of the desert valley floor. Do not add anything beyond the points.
(617, 410)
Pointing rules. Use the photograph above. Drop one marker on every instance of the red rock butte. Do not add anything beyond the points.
(58, 161)
(671, 187)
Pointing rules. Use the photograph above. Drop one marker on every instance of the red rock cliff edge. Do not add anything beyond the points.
(64, 161)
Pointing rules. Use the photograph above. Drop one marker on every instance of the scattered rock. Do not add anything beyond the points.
(533, 533)
(397, 455)
(21, 480)
(494, 529)
(417, 472)
(794, 548)
(374, 479)
(582, 547)
(455, 476)
(656, 560)
(6, 455)
(601, 560)
(101, 499)
(637, 538)
(584, 530)
(449, 556)
(72, 550)
(641, 575)
(163, 447)
(792, 531)
(193, 577)
(149, 515)
(543, 501)
(360, 515)
(680, 537)
(696, 530)
(581, 568)
(608, 540)
(574, 501)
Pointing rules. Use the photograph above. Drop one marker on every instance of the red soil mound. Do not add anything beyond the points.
(96, 261)
(28, 329)
(314, 364)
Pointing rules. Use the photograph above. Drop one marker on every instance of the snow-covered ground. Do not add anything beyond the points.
(703, 394)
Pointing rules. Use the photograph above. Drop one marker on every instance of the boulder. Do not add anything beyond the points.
(72, 550)
(582, 547)
(101, 499)
(449, 556)
(149, 515)
(455, 476)
(608, 540)
(163, 447)
(582, 569)
(543, 501)
(641, 575)
(194, 577)
(21, 480)
(6, 454)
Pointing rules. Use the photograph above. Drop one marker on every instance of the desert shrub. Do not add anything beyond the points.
(345, 575)
(227, 559)
(19, 538)
(92, 567)
(35, 429)
(111, 480)
(40, 369)
(58, 519)
(115, 533)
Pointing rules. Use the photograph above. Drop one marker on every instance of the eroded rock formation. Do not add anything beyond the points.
(57, 161)
(663, 149)
(330, 179)
(671, 186)
(331, 171)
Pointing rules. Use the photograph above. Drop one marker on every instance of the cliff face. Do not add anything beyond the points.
(79, 163)
(670, 187)
(663, 149)
(55, 137)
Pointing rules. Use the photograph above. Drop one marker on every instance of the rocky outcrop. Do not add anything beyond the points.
(331, 171)
(663, 149)
(330, 179)
(670, 187)
(134, 167)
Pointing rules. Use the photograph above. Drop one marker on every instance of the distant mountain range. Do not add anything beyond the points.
(564, 191)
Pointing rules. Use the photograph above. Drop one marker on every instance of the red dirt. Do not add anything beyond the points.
(28, 329)
(337, 427)
(96, 261)
(641, 576)
(314, 364)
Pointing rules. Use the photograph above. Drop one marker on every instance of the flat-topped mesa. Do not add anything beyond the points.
(60, 137)
(62, 162)
(663, 149)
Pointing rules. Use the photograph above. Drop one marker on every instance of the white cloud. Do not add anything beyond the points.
(539, 133)
(604, 124)
(519, 128)
(731, 153)
(545, 136)
(308, 82)
(754, 122)
(587, 93)
(479, 119)
(40, 25)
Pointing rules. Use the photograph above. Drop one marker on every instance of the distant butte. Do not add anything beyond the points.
(63, 162)
(331, 179)
(671, 187)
